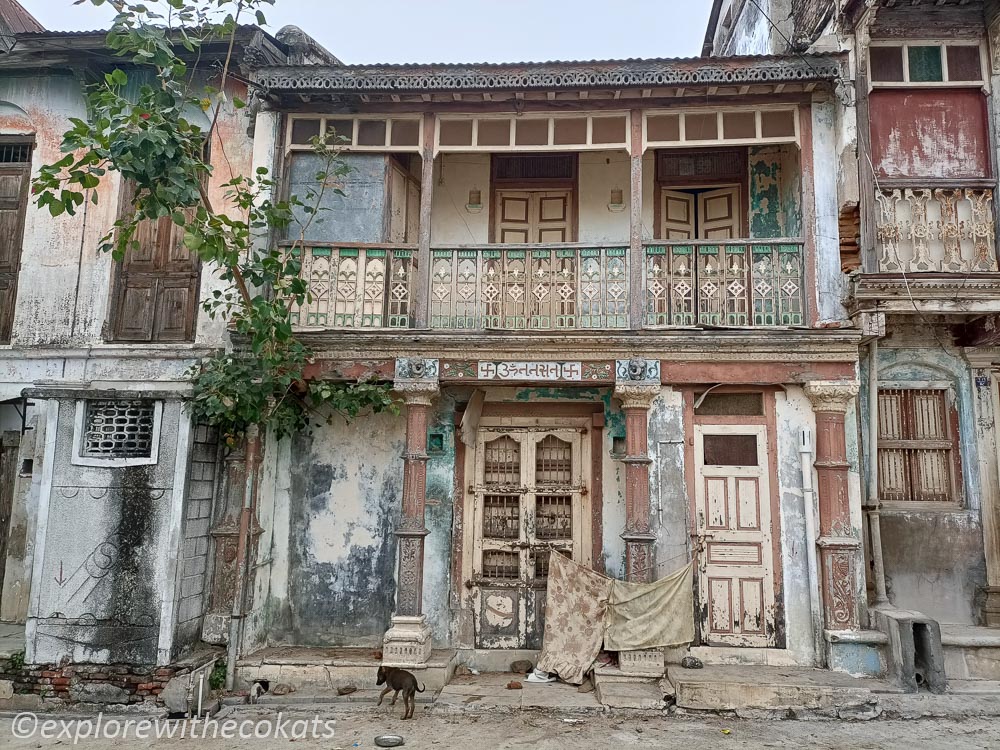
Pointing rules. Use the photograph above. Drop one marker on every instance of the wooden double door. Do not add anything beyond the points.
(530, 495)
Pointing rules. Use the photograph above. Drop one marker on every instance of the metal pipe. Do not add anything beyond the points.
(234, 649)
(874, 505)
(809, 510)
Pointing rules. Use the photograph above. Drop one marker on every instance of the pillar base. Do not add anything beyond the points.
(407, 644)
(991, 607)
(647, 662)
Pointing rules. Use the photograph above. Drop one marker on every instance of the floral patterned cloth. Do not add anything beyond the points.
(576, 606)
(585, 610)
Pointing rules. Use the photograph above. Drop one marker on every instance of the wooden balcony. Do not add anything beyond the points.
(529, 287)
(357, 286)
(732, 283)
(564, 287)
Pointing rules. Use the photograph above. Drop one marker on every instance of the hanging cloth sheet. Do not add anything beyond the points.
(585, 610)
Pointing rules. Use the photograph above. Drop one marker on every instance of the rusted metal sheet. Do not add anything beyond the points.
(937, 134)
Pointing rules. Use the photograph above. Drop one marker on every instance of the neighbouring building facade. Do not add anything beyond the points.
(737, 310)
(918, 250)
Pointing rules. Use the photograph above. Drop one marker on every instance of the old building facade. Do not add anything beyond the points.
(734, 309)
(918, 249)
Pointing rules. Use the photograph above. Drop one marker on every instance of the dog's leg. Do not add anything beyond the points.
(394, 697)
(383, 694)
(408, 705)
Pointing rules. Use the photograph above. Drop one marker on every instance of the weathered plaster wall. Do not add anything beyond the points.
(669, 507)
(344, 504)
(599, 173)
(934, 559)
(107, 546)
(752, 32)
(794, 413)
(357, 216)
(64, 284)
(829, 278)
(775, 191)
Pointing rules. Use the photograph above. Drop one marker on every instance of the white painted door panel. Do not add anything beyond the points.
(734, 535)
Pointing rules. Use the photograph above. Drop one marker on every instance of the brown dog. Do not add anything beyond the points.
(401, 681)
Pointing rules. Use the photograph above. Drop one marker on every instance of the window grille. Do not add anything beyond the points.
(118, 428)
(15, 153)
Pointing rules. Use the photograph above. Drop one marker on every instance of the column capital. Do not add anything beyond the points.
(636, 395)
(831, 395)
(416, 392)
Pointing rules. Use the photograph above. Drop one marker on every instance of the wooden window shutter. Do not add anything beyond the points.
(917, 446)
(156, 285)
(14, 179)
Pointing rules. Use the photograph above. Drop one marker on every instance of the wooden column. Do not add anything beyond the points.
(421, 296)
(838, 540)
(636, 259)
(408, 642)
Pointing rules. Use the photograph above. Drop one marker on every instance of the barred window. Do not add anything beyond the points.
(917, 446)
(117, 430)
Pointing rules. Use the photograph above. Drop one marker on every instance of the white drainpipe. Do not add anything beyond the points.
(809, 507)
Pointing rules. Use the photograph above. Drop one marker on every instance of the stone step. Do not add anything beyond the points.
(732, 688)
(608, 675)
(650, 694)
(321, 671)
(970, 652)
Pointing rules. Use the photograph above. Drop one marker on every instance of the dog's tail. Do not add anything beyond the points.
(420, 689)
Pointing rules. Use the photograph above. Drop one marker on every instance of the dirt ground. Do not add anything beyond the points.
(541, 731)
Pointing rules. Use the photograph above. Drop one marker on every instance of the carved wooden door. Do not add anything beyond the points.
(719, 214)
(530, 497)
(678, 215)
(734, 536)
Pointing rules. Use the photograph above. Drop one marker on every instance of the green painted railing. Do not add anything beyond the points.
(731, 283)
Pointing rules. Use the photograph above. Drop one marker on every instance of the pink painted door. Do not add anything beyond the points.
(734, 536)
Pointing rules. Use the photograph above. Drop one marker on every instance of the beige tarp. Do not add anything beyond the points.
(651, 615)
(584, 610)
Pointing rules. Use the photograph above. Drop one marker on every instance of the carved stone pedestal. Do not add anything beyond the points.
(645, 663)
(407, 643)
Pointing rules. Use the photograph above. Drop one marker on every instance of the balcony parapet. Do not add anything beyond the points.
(560, 287)
(935, 230)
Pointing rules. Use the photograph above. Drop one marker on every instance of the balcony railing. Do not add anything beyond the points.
(560, 287)
(529, 287)
(943, 230)
(732, 283)
(357, 286)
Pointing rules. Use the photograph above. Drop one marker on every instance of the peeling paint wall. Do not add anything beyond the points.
(934, 559)
(344, 505)
(775, 191)
(830, 280)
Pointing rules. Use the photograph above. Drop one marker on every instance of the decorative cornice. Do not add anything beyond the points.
(831, 395)
(612, 74)
(763, 345)
(636, 395)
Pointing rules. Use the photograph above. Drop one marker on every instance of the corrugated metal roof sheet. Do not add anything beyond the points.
(14, 19)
